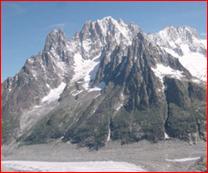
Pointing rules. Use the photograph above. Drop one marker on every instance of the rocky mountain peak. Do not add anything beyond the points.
(185, 33)
(109, 26)
(55, 40)
(106, 32)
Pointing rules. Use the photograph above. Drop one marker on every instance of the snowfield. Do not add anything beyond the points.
(91, 166)
(162, 70)
(54, 94)
(183, 159)
(192, 61)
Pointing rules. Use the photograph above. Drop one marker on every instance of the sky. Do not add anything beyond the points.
(25, 25)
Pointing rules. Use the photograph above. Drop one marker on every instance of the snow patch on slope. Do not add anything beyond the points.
(98, 87)
(120, 102)
(161, 71)
(109, 134)
(85, 69)
(183, 159)
(184, 44)
(91, 166)
(31, 116)
(76, 92)
(86, 44)
(54, 94)
(166, 136)
(194, 62)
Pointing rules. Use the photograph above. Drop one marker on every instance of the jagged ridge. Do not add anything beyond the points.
(111, 81)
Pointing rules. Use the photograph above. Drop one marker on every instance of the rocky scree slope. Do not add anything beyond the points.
(111, 81)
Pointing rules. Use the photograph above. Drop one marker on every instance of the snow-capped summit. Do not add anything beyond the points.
(109, 25)
(175, 37)
(95, 35)
(185, 33)
(184, 44)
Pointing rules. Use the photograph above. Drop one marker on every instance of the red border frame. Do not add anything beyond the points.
(99, 1)
(104, 1)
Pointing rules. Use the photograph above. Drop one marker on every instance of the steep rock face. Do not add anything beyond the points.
(38, 76)
(109, 82)
(186, 110)
(134, 107)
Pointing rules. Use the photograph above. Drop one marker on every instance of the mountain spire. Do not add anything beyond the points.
(55, 39)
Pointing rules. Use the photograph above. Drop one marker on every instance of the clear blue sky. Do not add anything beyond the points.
(25, 25)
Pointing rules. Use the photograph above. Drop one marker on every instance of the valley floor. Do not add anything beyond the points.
(171, 155)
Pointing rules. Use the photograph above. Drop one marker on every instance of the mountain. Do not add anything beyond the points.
(111, 81)
(184, 43)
